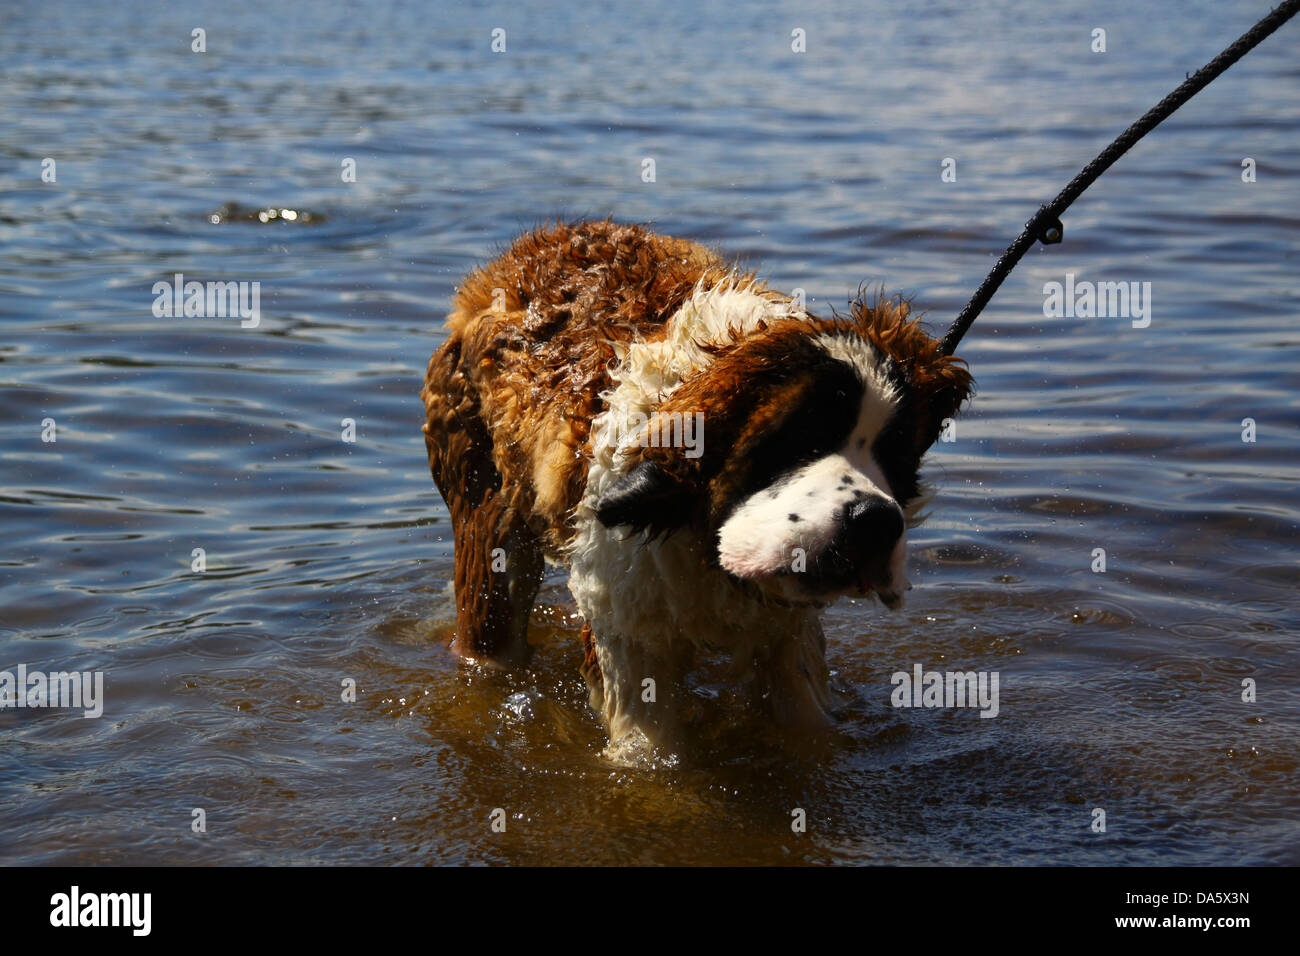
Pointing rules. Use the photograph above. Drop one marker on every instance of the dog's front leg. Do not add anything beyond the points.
(498, 562)
(499, 568)
(792, 680)
(639, 686)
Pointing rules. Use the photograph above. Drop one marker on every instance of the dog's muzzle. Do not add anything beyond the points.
(862, 555)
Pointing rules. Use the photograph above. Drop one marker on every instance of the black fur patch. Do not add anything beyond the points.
(896, 447)
(645, 499)
(824, 419)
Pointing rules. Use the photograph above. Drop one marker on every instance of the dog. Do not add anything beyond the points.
(713, 464)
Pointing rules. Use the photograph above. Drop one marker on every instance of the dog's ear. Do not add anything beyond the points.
(647, 498)
(942, 393)
(938, 384)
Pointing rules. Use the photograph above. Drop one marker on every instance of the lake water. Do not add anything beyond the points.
(328, 561)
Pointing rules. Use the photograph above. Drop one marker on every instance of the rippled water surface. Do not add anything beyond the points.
(329, 561)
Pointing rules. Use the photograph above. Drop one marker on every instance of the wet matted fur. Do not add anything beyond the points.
(713, 464)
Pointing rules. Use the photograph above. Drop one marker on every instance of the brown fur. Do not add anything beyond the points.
(513, 391)
(939, 383)
(756, 381)
(511, 395)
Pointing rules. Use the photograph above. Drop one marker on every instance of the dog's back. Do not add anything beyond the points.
(512, 393)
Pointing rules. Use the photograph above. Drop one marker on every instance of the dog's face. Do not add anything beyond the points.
(808, 469)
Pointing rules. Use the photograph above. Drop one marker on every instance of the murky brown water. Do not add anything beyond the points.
(328, 561)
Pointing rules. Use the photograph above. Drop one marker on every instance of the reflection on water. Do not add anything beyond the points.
(327, 561)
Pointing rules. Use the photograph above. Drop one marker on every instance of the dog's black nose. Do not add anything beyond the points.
(873, 525)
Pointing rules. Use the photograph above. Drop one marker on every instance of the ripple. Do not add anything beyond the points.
(1097, 613)
(1202, 629)
(330, 560)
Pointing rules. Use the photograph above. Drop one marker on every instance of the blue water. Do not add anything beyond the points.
(328, 561)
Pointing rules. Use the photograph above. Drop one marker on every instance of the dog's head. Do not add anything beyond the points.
(805, 472)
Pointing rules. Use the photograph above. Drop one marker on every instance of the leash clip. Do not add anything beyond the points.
(1051, 232)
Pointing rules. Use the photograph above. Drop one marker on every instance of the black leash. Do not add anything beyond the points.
(1045, 226)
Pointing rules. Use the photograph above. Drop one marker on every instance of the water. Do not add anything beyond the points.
(328, 561)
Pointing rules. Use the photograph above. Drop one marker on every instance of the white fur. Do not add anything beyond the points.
(879, 400)
(759, 540)
(652, 605)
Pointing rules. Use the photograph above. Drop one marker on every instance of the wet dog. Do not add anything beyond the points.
(713, 464)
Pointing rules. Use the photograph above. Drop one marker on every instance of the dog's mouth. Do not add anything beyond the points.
(891, 597)
(799, 590)
(834, 578)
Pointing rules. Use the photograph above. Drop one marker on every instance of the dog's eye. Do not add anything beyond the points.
(818, 426)
(895, 452)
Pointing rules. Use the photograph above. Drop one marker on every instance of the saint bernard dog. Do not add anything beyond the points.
(713, 464)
